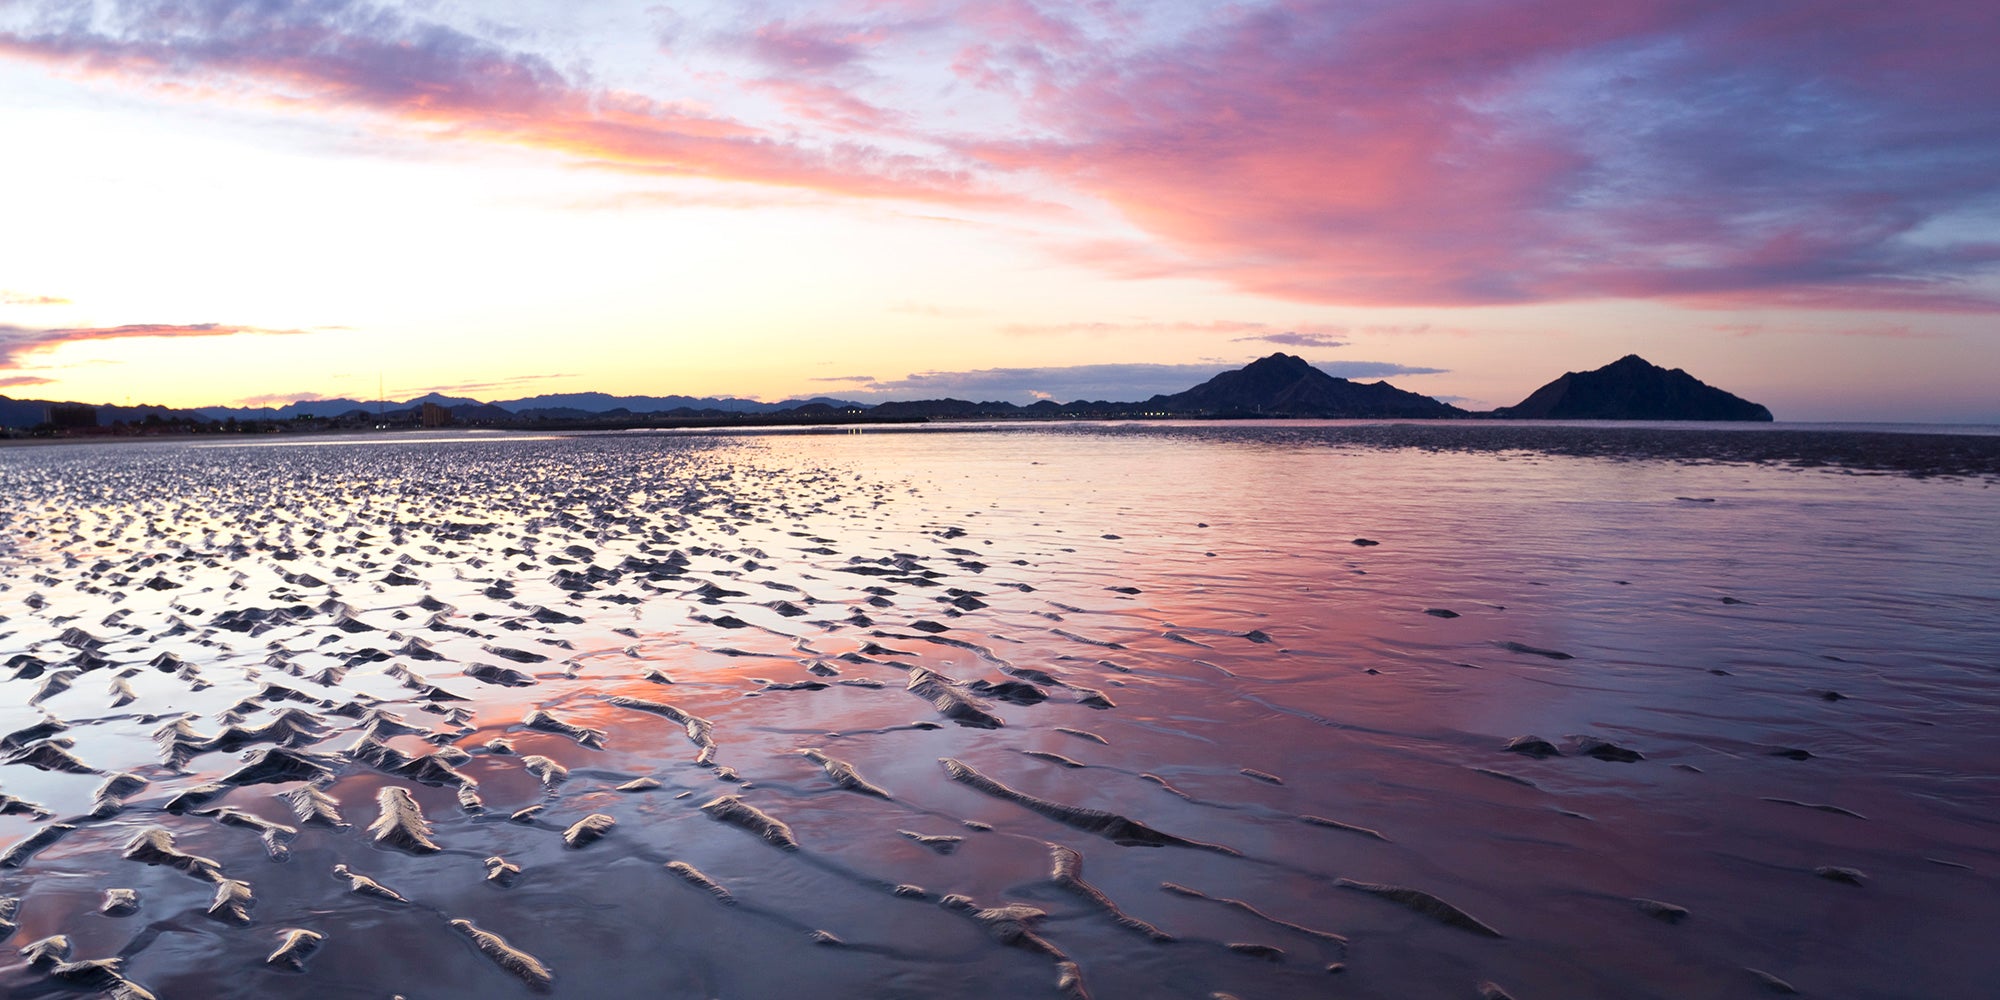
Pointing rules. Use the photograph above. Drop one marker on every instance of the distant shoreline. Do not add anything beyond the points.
(1916, 450)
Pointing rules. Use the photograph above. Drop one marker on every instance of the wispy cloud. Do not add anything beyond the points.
(1116, 382)
(8, 298)
(1136, 326)
(17, 342)
(508, 384)
(1500, 151)
(279, 399)
(1293, 338)
(15, 381)
(933, 309)
(1411, 330)
(843, 378)
(445, 82)
(1881, 331)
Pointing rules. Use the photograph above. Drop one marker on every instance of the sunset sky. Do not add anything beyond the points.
(217, 203)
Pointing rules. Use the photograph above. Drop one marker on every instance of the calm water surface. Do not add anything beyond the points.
(1188, 633)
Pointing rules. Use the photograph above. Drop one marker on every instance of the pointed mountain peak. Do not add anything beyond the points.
(1281, 362)
(1633, 363)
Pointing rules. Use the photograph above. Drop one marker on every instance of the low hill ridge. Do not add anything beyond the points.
(1632, 388)
(1285, 385)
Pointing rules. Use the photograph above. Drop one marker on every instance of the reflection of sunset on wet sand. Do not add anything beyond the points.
(1137, 711)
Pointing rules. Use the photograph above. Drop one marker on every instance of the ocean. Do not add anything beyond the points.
(1130, 710)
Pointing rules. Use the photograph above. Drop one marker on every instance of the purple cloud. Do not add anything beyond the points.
(447, 83)
(1500, 152)
(1116, 382)
(1293, 338)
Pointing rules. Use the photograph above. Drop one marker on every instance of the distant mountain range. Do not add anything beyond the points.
(1281, 385)
(559, 406)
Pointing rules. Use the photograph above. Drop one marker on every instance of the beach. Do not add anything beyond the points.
(1286, 709)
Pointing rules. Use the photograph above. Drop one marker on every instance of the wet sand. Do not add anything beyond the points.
(1118, 712)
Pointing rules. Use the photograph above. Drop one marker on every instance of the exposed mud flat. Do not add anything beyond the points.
(1114, 713)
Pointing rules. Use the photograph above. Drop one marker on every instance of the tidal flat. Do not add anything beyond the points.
(1122, 711)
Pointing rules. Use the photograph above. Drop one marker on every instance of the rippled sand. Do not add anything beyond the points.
(1118, 712)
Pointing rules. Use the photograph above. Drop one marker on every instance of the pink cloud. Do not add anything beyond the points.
(1490, 153)
(1718, 155)
(1295, 338)
(279, 399)
(511, 382)
(829, 105)
(453, 85)
(810, 48)
(1885, 331)
(13, 381)
(17, 342)
(1102, 327)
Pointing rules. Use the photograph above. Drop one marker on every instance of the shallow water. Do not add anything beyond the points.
(1804, 658)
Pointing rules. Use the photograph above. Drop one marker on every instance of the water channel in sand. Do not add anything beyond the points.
(1802, 660)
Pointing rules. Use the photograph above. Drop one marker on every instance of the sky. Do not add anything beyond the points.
(211, 203)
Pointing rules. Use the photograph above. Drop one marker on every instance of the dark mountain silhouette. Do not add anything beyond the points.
(29, 412)
(1281, 385)
(301, 408)
(598, 402)
(1284, 385)
(562, 406)
(1632, 388)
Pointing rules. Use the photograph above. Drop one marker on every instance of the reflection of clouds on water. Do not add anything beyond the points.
(1167, 628)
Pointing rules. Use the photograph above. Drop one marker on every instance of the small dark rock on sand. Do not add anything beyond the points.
(1424, 903)
(232, 901)
(694, 877)
(1264, 951)
(295, 945)
(1591, 746)
(1772, 983)
(942, 843)
(1055, 758)
(1066, 870)
(733, 810)
(1334, 824)
(501, 872)
(1522, 647)
(1327, 936)
(1532, 746)
(506, 956)
(401, 823)
(18, 854)
(362, 885)
(1111, 826)
(843, 774)
(588, 830)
